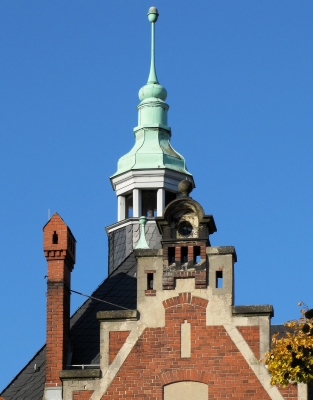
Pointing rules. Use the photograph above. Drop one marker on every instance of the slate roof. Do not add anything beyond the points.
(29, 383)
(119, 288)
(278, 329)
(123, 240)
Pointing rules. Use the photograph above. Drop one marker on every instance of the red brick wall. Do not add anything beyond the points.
(215, 360)
(289, 392)
(58, 311)
(251, 334)
(116, 341)
(82, 395)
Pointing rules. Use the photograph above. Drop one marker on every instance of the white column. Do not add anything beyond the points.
(137, 203)
(121, 210)
(160, 202)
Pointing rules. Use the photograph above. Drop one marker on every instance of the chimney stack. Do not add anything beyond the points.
(59, 249)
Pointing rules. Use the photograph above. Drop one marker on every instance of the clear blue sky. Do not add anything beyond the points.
(239, 82)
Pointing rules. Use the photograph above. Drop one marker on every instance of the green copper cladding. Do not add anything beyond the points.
(152, 147)
(153, 17)
(152, 88)
(142, 243)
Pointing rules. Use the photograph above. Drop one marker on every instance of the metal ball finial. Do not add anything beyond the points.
(153, 14)
(185, 187)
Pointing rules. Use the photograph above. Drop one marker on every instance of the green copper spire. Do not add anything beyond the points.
(152, 88)
(153, 17)
(152, 148)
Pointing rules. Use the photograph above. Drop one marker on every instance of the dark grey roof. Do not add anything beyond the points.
(119, 288)
(278, 328)
(117, 248)
(29, 383)
(123, 240)
(281, 329)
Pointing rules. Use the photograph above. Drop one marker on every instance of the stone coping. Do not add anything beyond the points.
(216, 250)
(148, 252)
(80, 374)
(117, 315)
(266, 309)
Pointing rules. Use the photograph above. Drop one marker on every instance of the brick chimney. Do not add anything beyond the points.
(59, 249)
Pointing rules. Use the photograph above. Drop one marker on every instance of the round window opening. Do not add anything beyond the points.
(185, 228)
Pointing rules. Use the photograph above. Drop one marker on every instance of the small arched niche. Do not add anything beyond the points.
(186, 390)
(183, 217)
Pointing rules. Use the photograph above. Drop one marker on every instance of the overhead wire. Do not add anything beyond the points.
(95, 298)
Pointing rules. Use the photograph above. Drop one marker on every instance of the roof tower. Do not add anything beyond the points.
(147, 176)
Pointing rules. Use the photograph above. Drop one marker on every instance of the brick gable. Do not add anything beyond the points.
(215, 360)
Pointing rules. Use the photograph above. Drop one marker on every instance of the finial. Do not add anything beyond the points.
(185, 187)
(142, 243)
(152, 88)
(152, 17)
(153, 14)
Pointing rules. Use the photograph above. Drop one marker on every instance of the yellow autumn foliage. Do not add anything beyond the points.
(290, 359)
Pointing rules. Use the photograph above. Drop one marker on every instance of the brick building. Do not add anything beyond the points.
(163, 325)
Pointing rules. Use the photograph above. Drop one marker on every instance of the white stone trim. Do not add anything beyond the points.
(257, 367)
(130, 221)
(112, 370)
(185, 340)
(186, 390)
(302, 391)
(53, 393)
(148, 179)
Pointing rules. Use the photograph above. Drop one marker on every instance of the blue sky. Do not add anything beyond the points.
(239, 81)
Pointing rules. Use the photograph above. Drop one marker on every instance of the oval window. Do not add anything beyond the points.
(185, 228)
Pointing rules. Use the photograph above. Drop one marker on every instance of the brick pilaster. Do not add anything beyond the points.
(177, 253)
(59, 250)
(203, 252)
(190, 253)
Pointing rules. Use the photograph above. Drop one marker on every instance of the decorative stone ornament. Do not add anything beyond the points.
(184, 218)
(185, 187)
